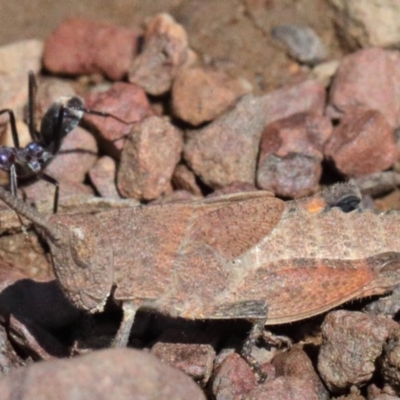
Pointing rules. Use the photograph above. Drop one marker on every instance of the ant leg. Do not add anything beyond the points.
(14, 131)
(100, 114)
(32, 86)
(56, 184)
(13, 180)
(13, 190)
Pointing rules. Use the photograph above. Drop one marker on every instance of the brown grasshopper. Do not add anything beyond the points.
(247, 255)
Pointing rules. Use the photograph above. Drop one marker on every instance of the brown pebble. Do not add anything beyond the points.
(116, 374)
(362, 144)
(352, 341)
(290, 156)
(200, 95)
(297, 363)
(148, 160)
(103, 177)
(226, 150)
(165, 50)
(81, 46)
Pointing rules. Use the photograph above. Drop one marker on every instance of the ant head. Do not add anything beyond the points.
(51, 130)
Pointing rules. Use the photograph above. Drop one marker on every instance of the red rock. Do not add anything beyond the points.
(200, 95)
(125, 101)
(149, 158)
(226, 150)
(184, 179)
(290, 156)
(233, 379)
(165, 50)
(362, 144)
(367, 78)
(106, 374)
(81, 46)
(103, 176)
(196, 360)
(352, 341)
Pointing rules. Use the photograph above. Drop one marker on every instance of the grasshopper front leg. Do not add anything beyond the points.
(129, 310)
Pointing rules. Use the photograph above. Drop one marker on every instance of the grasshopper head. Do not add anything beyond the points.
(83, 261)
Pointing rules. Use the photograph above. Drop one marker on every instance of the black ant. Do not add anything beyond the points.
(29, 162)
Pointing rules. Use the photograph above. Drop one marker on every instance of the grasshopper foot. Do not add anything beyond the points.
(255, 333)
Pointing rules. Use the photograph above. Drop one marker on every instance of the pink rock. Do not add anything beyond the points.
(81, 46)
(290, 157)
(165, 50)
(200, 95)
(125, 101)
(149, 158)
(184, 179)
(77, 155)
(103, 177)
(233, 379)
(352, 341)
(367, 78)
(226, 150)
(362, 144)
(196, 360)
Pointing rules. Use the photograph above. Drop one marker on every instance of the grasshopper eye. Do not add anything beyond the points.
(391, 266)
(348, 203)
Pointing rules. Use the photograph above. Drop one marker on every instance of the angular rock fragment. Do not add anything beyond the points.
(103, 177)
(125, 101)
(290, 156)
(226, 150)
(352, 341)
(369, 79)
(165, 50)
(81, 46)
(148, 160)
(362, 144)
(200, 95)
